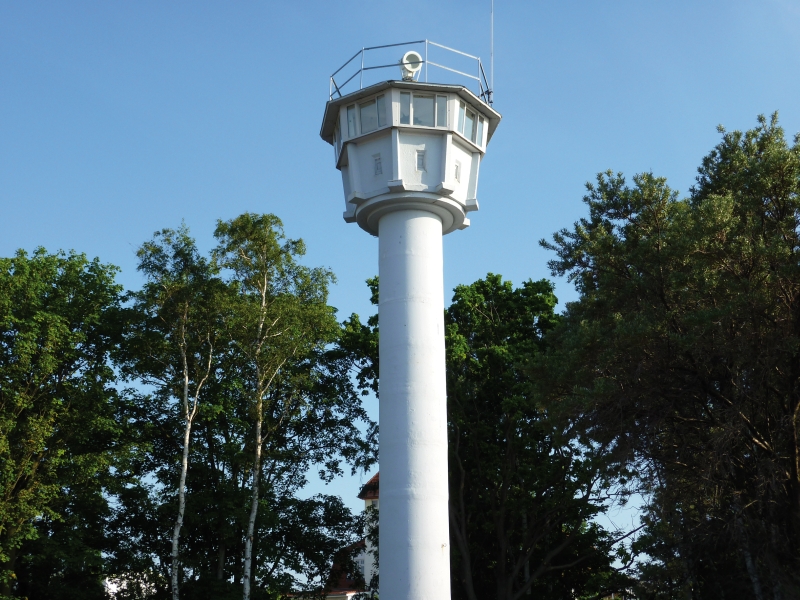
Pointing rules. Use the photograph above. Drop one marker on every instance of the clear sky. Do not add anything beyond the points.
(118, 119)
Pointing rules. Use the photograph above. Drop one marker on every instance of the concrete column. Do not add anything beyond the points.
(414, 534)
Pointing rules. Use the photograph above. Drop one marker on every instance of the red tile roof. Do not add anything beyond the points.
(371, 488)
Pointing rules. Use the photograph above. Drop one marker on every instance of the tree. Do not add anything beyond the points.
(686, 339)
(59, 321)
(523, 483)
(101, 484)
(311, 418)
(280, 319)
(358, 346)
(175, 345)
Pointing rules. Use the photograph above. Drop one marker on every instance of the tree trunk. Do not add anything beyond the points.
(744, 546)
(527, 569)
(176, 532)
(187, 431)
(251, 523)
(458, 522)
(221, 559)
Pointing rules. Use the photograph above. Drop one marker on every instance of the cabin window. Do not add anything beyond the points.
(405, 108)
(441, 111)
(422, 110)
(369, 116)
(423, 113)
(469, 126)
(373, 114)
(351, 121)
(381, 111)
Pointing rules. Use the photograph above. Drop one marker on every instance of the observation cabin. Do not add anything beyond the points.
(410, 144)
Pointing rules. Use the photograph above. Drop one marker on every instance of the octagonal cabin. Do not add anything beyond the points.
(400, 144)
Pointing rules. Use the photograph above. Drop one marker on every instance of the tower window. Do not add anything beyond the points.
(420, 160)
(373, 114)
(423, 112)
(381, 111)
(470, 125)
(369, 116)
(405, 108)
(441, 111)
(351, 121)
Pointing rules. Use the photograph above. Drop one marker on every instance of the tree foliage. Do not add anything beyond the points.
(523, 485)
(685, 349)
(58, 325)
(105, 484)
(176, 340)
(676, 373)
(253, 326)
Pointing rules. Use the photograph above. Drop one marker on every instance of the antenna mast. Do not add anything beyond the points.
(491, 53)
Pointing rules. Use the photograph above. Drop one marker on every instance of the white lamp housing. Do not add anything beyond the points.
(410, 65)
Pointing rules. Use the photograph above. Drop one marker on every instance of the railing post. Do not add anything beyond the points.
(426, 60)
(361, 76)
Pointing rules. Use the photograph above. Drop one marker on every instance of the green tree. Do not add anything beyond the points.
(685, 344)
(280, 320)
(59, 321)
(358, 345)
(175, 342)
(311, 419)
(524, 484)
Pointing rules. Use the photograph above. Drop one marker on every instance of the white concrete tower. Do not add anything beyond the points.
(409, 153)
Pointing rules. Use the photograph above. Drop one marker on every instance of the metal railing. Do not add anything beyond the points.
(483, 88)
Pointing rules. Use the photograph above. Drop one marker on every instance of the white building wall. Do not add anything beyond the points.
(370, 566)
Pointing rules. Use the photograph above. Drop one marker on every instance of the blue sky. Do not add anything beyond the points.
(118, 119)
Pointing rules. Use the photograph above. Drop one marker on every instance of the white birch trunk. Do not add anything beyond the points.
(187, 432)
(251, 523)
(176, 532)
(263, 386)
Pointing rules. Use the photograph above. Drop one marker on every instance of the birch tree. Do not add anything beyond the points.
(175, 344)
(279, 315)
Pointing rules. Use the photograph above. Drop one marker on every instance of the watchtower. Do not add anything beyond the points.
(410, 153)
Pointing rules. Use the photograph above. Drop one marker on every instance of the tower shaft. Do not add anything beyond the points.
(414, 537)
